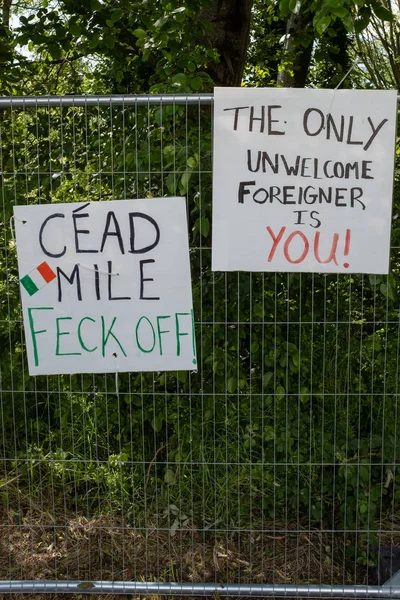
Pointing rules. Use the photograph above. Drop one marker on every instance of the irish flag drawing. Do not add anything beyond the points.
(38, 278)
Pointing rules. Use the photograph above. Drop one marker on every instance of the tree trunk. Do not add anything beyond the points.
(6, 13)
(230, 21)
(296, 60)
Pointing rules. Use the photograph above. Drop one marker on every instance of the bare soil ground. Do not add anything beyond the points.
(41, 546)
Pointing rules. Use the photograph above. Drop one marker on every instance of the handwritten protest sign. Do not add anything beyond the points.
(106, 286)
(303, 180)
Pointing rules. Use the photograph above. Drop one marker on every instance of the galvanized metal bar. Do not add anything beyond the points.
(198, 589)
(121, 100)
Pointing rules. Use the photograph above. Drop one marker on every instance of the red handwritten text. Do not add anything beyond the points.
(296, 246)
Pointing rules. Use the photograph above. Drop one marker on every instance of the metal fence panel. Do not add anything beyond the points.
(272, 471)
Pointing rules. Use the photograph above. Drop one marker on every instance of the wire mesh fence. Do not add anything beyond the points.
(270, 471)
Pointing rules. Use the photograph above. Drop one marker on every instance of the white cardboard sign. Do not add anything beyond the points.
(303, 180)
(106, 286)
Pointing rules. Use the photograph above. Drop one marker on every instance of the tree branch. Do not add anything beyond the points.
(58, 61)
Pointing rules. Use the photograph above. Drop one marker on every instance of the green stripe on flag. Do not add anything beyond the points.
(29, 285)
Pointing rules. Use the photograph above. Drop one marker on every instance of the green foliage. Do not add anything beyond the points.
(264, 55)
(119, 47)
(352, 15)
(331, 59)
(139, 47)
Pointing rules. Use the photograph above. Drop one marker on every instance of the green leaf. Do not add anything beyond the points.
(335, 3)
(109, 41)
(280, 392)
(157, 423)
(292, 348)
(161, 21)
(232, 384)
(171, 183)
(296, 360)
(215, 366)
(382, 12)
(192, 162)
(169, 477)
(185, 182)
(139, 33)
(202, 226)
(374, 280)
(254, 346)
(94, 40)
(363, 508)
(304, 394)
(116, 15)
(75, 29)
(196, 83)
(388, 291)
(169, 150)
(267, 379)
(341, 11)
(284, 7)
(375, 341)
(322, 24)
(158, 116)
(55, 51)
(179, 79)
(182, 376)
(362, 21)
(269, 433)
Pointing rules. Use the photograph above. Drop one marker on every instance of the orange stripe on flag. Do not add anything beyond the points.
(46, 272)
